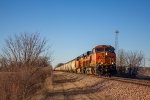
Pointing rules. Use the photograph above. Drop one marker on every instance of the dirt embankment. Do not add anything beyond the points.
(71, 86)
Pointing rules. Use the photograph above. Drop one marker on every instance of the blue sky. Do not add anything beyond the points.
(73, 27)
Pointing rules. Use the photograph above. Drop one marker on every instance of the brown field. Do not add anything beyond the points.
(23, 84)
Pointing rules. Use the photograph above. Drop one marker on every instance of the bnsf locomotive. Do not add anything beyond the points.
(100, 61)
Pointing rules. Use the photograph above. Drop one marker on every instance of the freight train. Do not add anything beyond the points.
(101, 60)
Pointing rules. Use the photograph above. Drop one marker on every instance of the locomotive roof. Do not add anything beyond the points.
(103, 46)
(89, 52)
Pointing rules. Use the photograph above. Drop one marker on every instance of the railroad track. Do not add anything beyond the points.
(121, 79)
(132, 81)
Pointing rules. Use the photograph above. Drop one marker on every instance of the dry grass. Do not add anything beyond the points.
(22, 84)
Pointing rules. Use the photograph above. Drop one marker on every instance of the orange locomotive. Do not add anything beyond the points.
(101, 60)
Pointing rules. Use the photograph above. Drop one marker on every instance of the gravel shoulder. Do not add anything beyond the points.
(71, 86)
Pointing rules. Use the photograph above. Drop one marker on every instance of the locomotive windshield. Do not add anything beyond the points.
(110, 49)
(99, 49)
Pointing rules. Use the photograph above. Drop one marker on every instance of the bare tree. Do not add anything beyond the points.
(121, 58)
(3, 62)
(42, 61)
(134, 59)
(24, 49)
(131, 58)
(21, 55)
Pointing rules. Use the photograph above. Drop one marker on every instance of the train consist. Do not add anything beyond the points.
(100, 61)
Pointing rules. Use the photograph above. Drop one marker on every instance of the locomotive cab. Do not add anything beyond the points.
(104, 59)
(104, 55)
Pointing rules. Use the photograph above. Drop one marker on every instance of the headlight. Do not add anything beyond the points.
(106, 54)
